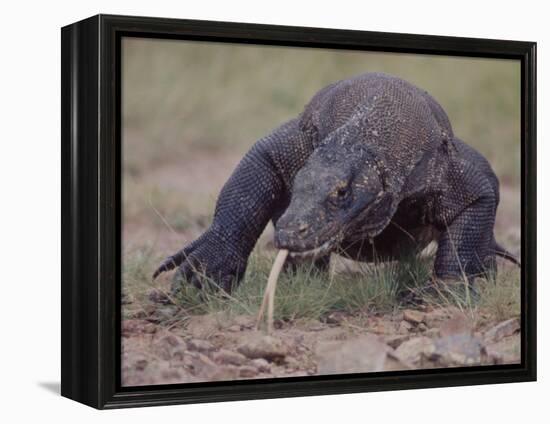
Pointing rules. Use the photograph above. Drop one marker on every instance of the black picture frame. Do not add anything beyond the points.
(91, 219)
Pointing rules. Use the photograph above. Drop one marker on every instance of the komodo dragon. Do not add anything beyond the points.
(371, 170)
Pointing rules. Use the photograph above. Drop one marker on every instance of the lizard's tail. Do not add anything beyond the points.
(503, 253)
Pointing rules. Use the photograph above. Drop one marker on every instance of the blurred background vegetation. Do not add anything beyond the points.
(191, 110)
(225, 96)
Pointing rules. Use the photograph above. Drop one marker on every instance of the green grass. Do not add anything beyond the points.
(309, 294)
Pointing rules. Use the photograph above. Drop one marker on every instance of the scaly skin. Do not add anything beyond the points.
(370, 169)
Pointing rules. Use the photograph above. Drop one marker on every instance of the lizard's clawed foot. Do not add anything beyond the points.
(206, 261)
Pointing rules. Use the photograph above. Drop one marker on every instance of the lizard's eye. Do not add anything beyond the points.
(342, 192)
(340, 196)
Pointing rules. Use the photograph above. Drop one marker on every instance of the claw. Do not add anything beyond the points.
(169, 263)
(177, 259)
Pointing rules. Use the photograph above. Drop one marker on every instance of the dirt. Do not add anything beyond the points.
(218, 347)
(162, 344)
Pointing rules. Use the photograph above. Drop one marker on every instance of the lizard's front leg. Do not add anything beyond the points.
(246, 203)
(465, 246)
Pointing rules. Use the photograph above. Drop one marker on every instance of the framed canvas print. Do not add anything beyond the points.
(254, 211)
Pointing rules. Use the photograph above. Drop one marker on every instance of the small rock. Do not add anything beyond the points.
(422, 327)
(416, 350)
(505, 351)
(491, 356)
(170, 374)
(278, 324)
(179, 355)
(204, 326)
(248, 372)
(397, 316)
(261, 364)
(150, 328)
(382, 327)
(225, 356)
(301, 349)
(126, 299)
(171, 340)
(199, 364)
(503, 329)
(150, 309)
(335, 317)
(132, 326)
(224, 373)
(200, 345)
(363, 354)
(267, 347)
(244, 321)
(141, 314)
(393, 363)
(433, 318)
(395, 340)
(206, 360)
(234, 328)
(432, 332)
(457, 324)
(412, 316)
(404, 327)
(292, 363)
(141, 364)
(166, 345)
(457, 350)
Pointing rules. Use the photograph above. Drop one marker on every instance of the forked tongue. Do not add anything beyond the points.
(269, 295)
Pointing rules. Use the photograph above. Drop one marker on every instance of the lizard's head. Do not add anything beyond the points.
(338, 194)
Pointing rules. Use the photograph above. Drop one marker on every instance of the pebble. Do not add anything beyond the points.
(457, 350)
(335, 318)
(171, 340)
(132, 326)
(261, 364)
(200, 345)
(503, 329)
(225, 356)
(434, 318)
(248, 371)
(412, 316)
(141, 364)
(267, 347)
(404, 327)
(362, 354)
(395, 340)
(415, 350)
(292, 363)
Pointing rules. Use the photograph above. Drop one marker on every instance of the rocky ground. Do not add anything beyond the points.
(218, 347)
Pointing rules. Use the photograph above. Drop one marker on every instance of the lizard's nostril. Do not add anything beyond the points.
(303, 228)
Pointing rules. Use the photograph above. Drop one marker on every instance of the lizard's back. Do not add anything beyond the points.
(334, 106)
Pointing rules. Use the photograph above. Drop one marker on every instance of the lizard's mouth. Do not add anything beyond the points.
(310, 247)
(323, 249)
(366, 221)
